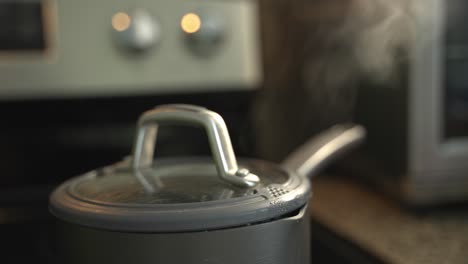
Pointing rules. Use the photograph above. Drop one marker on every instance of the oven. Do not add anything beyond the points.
(75, 76)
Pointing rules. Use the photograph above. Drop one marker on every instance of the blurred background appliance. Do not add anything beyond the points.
(75, 75)
(423, 117)
(54, 48)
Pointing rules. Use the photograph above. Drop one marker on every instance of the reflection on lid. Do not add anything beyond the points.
(173, 184)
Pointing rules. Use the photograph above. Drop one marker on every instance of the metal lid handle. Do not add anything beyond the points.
(218, 136)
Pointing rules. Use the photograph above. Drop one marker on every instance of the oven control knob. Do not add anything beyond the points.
(204, 31)
(137, 30)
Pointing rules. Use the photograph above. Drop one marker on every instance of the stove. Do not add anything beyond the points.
(77, 74)
(63, 49)
(69, 137)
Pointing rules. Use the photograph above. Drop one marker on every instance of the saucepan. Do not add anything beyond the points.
(219, 209)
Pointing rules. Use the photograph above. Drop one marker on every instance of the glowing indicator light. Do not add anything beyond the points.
(190, 23)
(121, 21)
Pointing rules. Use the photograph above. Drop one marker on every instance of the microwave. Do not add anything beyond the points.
(417, 148)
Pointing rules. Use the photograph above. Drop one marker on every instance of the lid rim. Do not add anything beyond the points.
(168, 221)
(181, 217)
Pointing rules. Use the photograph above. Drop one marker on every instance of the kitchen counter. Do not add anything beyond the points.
(378, 227)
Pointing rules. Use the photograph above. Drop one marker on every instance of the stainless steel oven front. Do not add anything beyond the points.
(51, 48)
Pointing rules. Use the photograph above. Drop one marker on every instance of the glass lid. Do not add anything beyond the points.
(171, 182)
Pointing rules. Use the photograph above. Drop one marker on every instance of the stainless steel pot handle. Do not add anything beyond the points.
(320, 150)
(218, 136)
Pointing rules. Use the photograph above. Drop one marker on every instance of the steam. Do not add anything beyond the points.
(369, 41)
(372, 41)
(381, 33)
(349, 41)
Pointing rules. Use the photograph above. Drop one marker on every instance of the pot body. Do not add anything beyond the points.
(284, 240)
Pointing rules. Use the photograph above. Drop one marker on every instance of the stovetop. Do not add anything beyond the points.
(49, 141)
